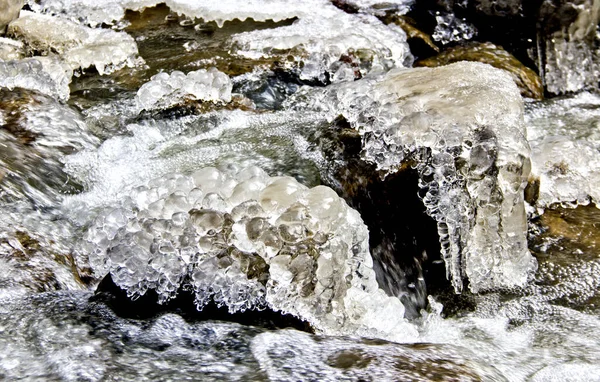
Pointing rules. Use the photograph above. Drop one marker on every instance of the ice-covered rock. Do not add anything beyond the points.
(323, 39)
(79, 46)
(247, 241)
(89, 12)
(565, 143)
(461, 127)
(46, 75)
(165, 90)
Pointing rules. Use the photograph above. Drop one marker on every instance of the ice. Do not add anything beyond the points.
(79, 46)
(565, 144)
(450, 29)
(267, 242)
(46, 75)
(11, 49)
(89, 12)
(166, 90)
(571, 59)
(326, 37)
(461, 127)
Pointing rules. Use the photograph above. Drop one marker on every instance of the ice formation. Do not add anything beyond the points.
(46, 75)
(11, 49)
(461, 127)
(325, 37)
(247, 241)
(165, 90)
(79, 46)
(450, 28)
(571, 59)
(565, 142)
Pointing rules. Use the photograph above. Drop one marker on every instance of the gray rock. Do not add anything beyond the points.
(9, 10)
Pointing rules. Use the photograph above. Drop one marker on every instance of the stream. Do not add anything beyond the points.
(278, 190)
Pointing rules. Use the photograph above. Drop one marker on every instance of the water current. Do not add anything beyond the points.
(277, 191)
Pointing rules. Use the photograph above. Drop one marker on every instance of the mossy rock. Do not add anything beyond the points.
(526, 79)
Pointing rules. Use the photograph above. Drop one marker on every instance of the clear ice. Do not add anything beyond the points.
(79, 46)
(461, 127)
(247, 241)
(46, 75)
(166, 90)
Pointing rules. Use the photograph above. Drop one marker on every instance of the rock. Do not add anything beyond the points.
(526, 79)
(9, 10)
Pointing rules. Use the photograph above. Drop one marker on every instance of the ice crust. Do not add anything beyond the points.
(11, 49)
(79, 46)
(247, 241)
(565, 143)
(461, 127)
(325, 37)
(46, 75)
(165, 90)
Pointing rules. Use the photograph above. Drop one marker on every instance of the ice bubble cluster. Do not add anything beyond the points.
(79, 46)
(43, 74)
(165, 90)
(565, 142)
(461, 127)
(246, 241)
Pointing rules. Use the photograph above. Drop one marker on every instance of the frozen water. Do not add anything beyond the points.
(327, 36)
(89, 12)
(571, 56)
(247, 241)
(461, 126)
(79, 46)
(46, 75)
(166, 90)
(450, 28)
(11, 49)
(565, 143)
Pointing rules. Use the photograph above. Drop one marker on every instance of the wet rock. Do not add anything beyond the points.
(526, 79)
(42, 331)
(30, 265)
(565, 241)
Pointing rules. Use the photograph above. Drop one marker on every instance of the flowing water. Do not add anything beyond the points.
(267, 191)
